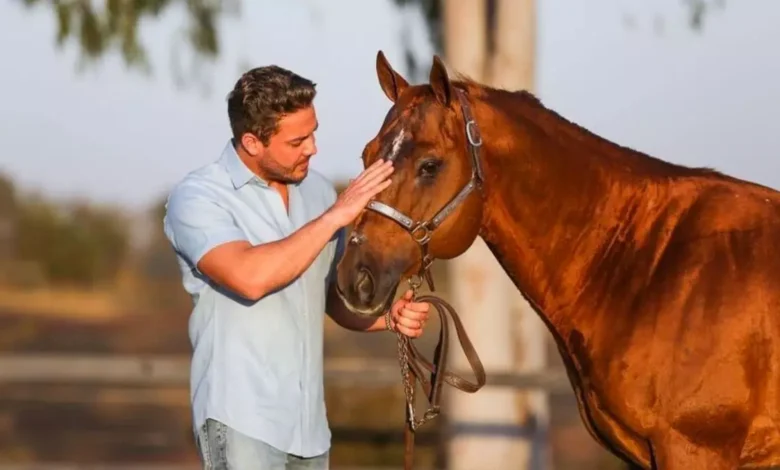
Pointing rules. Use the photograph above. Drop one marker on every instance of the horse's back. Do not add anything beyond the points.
(720, 320)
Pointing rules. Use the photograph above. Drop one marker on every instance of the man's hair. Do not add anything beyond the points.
(262, 96)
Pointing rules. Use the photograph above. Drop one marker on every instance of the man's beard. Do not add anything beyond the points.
(275, 172)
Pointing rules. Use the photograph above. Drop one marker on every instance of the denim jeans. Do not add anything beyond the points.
(223, 448)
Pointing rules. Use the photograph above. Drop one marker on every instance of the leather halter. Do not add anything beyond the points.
(421, 231)
(413, 365)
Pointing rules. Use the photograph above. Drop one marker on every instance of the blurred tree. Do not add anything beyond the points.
(158, 268)
(159, 259)
(102, 26)
(7, 195)
(82, 245)
(7, 220)
(106, 231)
(698, 8)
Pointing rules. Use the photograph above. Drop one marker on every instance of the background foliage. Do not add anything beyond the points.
(99, 27)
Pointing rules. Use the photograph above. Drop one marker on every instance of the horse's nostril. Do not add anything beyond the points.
(364, 285)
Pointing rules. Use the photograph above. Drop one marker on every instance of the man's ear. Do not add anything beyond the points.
(440, 81)
(252, 145)
(392, 83)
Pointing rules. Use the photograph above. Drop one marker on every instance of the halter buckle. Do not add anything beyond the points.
(421, 233)
(470, 126)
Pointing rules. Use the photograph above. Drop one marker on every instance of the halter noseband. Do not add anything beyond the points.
(420, 231)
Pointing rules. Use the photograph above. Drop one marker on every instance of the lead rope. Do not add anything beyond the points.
(412, 364)
(409, 391)
(404, 347)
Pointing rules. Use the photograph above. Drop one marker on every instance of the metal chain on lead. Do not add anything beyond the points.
(403, 359)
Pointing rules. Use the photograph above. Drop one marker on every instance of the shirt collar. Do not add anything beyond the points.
(239, 173)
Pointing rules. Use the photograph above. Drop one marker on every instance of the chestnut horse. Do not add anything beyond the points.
(658, 282)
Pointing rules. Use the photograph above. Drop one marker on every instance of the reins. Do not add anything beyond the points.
(414, 367)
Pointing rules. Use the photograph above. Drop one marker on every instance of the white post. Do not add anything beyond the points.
(477, 423)
(513, 66)
(494, 426)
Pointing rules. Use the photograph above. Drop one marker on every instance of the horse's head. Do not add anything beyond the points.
(432, 209)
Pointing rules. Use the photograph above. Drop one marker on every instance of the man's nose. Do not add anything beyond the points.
(311, 149)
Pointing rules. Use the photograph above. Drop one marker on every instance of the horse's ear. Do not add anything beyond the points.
(440, 81)
(392, 82)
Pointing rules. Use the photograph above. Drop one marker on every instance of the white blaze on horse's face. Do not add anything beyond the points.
(396, 145)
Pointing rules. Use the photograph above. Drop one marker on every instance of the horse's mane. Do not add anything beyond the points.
(524, 105)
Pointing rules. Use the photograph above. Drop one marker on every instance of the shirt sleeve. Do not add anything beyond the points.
(195, 223)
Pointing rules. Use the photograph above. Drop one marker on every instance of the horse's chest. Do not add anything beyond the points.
(606, 407)
(612, 431)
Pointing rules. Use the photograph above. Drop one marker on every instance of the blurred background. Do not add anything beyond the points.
(105, 104)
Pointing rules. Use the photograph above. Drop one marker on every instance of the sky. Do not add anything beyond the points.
(119, 137)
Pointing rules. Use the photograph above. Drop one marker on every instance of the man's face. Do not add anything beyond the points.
(286, 158)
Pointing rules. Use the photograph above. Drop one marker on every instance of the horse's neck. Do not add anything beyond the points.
(553, 203)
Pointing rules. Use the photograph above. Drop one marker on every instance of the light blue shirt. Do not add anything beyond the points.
(257, 367)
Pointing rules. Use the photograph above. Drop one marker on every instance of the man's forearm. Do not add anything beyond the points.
(269, 266)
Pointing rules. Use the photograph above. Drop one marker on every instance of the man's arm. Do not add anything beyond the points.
(207, 235)
(253, 271)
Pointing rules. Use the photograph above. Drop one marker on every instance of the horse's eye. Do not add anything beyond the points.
(429, 168)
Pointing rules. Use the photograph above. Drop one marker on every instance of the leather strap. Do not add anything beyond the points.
(432, 375)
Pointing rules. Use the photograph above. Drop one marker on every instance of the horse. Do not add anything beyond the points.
(657, 281)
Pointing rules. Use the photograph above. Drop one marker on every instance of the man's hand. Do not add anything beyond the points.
(360, 191)
(409, 317)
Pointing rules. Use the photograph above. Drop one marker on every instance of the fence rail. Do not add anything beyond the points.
(175, 370)
(139, 376)
(145, 466)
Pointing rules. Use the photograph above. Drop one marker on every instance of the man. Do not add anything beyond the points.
(257, 236)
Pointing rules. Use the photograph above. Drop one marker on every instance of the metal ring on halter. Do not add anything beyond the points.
(415, 281)
(426, 234)
(469, 126)
(357, 238)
